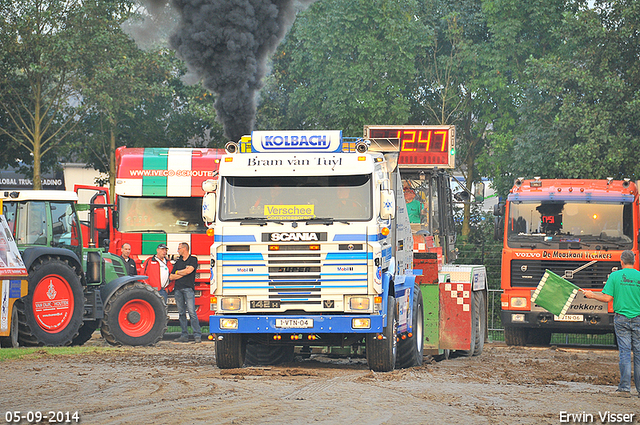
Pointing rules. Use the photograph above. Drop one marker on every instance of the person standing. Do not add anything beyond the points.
(129, 263)
(623, 287)
(184, 275)
(157, 268)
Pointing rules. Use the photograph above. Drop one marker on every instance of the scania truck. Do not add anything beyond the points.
(313, 247)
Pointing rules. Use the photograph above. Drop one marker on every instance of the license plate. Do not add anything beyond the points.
(569, 318)
(294, 323)
(264, 304)
(171, 301)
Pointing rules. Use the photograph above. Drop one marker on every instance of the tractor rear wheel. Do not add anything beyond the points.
(134, 315)
(86, 331)
(52, 311)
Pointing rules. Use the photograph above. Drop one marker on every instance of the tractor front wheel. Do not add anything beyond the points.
(134, 315)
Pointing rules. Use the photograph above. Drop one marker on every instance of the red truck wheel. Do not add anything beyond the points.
(134, 315)
(51, 313)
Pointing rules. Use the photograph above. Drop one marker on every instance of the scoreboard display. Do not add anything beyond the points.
(419, 146)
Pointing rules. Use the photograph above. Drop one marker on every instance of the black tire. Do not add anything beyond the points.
(86, 331)
(230, 351)
(134, 315)
(410, 349)
(63, 285)
(539, 337)
(515, 336)
(481, 321)
(11, 341)
(268, 355)
(381, 353)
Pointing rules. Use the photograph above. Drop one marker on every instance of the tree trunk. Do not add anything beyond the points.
(37, 140)
(112, 160)
(470, 163)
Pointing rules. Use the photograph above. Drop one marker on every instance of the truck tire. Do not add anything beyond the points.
(134, 315)
(410, 349)
(86, 331)
(230, 351)
(481, 322)
(539, 337)
(52, 311)
(11, 341)
(381, 353)
(515, 336)
(268, 355)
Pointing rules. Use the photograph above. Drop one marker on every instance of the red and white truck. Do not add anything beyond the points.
(158, 199)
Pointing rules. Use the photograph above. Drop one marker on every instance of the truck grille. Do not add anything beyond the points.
(527, 273)
(298, 277)
(295, 278)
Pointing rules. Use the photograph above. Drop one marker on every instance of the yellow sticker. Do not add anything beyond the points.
(289, 211)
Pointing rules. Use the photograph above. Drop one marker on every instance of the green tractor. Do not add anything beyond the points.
(74, 286)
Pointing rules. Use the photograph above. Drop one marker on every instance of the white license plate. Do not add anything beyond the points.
(171, 301)
(294, 323)
(569, 318)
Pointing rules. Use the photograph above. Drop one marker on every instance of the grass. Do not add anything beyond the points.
(39, 352)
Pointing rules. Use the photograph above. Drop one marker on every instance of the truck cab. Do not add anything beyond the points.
(312, 246)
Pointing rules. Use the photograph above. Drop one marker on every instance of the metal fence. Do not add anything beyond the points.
(489, 254)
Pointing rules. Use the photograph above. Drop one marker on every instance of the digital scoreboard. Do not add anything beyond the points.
(419, 146)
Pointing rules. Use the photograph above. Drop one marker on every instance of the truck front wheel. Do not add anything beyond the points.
(230, 351)
(381, 353)
(410, 349)
(134, 315)
(51, 313)
(515, 336)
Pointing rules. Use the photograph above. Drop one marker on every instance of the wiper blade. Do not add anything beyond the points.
(325, 220)
(257, 221)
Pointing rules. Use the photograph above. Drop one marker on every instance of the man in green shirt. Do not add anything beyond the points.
(623, 287)
(414, 206)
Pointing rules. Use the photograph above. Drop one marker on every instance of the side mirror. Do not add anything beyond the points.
(387, 204)
(498, 229)
(209, 207)
(210, 185)
(498, 209)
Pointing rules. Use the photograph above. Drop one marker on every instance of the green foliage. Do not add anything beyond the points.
(344, 65)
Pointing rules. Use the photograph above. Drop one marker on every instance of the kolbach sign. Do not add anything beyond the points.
(11, 179)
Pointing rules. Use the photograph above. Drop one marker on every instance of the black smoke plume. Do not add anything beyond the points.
(227, 44)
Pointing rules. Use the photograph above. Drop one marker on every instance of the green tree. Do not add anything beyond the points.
(345, 65)
(136, 97)
(40, 58)
(581, 114)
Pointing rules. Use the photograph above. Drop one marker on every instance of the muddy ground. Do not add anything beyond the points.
(179, 383)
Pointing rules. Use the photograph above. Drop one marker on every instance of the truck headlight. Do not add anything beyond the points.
(518, 302)
(231, 303)
(361, 323)
(359, 303)
(228, 323)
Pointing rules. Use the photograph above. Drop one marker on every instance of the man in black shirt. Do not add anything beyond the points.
(129, 263)
(184, 275)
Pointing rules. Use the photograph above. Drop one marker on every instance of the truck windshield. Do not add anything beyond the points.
(544, 223)
(297, 198)
(168, 215)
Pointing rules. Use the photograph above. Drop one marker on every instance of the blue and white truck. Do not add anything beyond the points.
(313, 248)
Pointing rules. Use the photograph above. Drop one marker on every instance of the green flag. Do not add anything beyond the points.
(554, 293)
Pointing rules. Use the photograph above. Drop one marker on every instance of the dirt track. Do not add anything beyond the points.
(178, 383)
